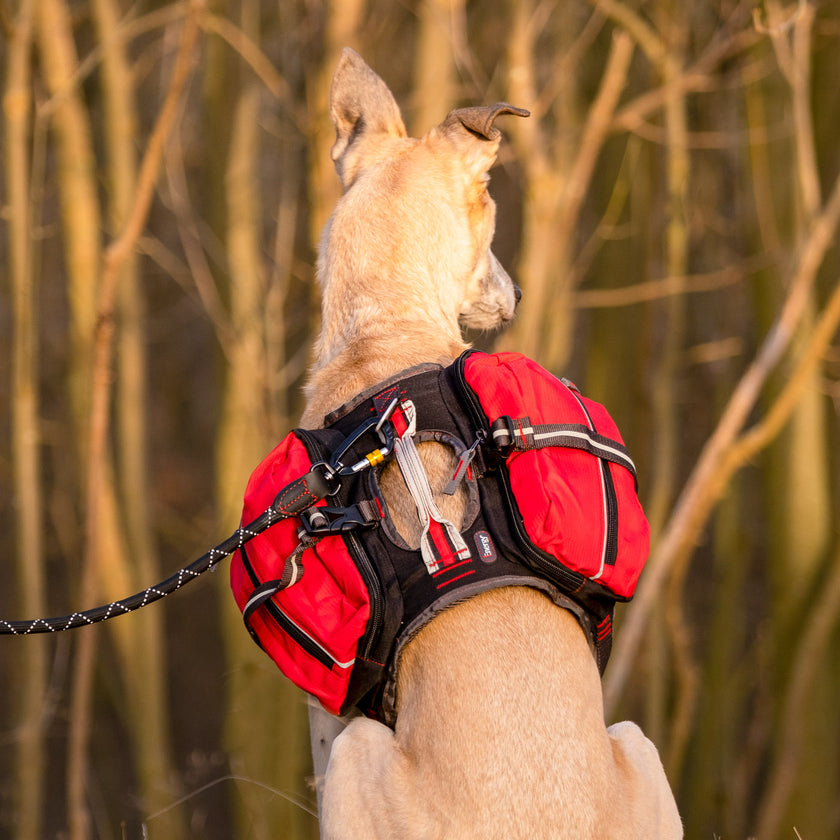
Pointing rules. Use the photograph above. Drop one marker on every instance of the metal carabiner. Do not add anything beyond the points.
(385, 432)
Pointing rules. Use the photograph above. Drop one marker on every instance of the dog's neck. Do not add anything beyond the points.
(340, 373)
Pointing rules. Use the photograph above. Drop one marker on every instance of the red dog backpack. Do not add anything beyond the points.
(333, 593)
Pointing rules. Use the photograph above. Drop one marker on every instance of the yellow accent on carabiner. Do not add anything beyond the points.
(375, 457)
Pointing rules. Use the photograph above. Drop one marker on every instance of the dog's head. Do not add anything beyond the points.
(413, 230)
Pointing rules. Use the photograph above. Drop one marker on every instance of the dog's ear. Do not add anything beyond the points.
(480, 120)
(361, 105)
(473, 129)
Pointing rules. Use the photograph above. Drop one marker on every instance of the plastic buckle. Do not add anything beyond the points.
(320, 521)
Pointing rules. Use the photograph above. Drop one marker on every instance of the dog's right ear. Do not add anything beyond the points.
(479, 120)
(361, 105)
(472, 130)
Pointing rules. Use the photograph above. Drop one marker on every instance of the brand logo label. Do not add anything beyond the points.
(486, 549)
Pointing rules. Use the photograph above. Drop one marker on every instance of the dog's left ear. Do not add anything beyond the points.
(473, 128)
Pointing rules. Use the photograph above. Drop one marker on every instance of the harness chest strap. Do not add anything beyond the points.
(441, 544)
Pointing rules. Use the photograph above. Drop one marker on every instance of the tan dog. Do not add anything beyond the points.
(500, 729)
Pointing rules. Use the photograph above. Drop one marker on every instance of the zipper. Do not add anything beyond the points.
(377, 599)
(544, 562)
(474, 409)
(610, 546)
(360, 558)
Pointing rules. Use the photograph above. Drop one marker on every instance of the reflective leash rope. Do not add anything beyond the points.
(141, 599)
(293, 499)
(322, 480)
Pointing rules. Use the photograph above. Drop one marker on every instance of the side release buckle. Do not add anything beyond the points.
(321, 521)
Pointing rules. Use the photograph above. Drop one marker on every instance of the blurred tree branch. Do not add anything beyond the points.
(96, 498)
(250, 52)
(650, 290)
(714, 467)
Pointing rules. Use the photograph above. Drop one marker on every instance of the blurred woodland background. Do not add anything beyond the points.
(671, 212)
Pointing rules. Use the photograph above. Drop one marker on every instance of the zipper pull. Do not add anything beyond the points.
(463, 464)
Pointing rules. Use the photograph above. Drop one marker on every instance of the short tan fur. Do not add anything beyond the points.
(500, 729)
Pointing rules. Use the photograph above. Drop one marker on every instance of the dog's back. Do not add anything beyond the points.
(500, 728)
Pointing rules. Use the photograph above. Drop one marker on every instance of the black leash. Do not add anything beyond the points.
(293, 499)
(322, 480)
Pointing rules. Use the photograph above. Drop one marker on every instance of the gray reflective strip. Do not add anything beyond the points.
(318, 644)
(557, 438)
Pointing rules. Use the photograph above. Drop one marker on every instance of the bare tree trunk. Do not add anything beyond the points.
(672, 358)
(92, 306)
(260, 699)
(31, 681)
(82, 230)
(142, 656)
(803, 495)
(434, 64)
(800, 496)
(544, 261)
(342, 27)
(557, 177)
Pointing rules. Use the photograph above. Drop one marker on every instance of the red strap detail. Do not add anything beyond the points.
(399, 422)
(445, 551)
(450, 568)
(383, 400)
(604, 628)
(452, 580)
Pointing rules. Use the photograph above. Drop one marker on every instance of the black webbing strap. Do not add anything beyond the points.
(603, 637)
(292, 573)
(508, 433)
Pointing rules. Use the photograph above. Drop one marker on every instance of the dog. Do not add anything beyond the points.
(500, 729)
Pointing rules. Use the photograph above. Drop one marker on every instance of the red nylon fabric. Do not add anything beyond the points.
(559, 490)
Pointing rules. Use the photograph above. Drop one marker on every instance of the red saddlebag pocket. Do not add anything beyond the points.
(566, 470)
(314, 628)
